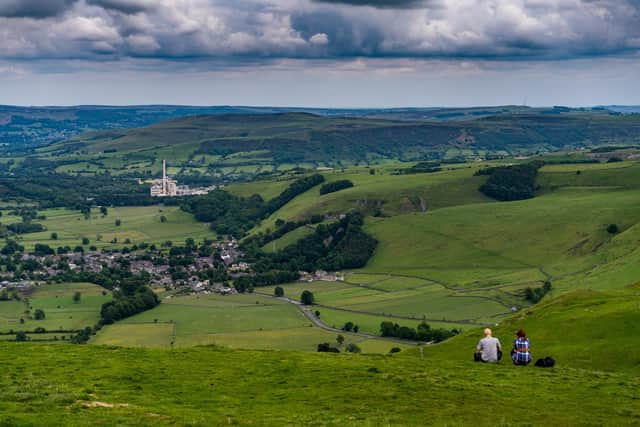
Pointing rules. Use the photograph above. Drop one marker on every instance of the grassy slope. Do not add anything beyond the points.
(208, 386)
(471, 260)
(583, 329)
(394, 194)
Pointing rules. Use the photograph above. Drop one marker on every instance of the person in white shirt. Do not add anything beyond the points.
(488, 349)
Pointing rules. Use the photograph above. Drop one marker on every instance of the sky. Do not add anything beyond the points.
(320, 53)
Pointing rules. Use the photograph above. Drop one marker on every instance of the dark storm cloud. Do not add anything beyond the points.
(237, 30)
(382, 4)
(38, 9)
(124, 6)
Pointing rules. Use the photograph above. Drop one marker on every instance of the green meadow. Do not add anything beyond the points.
(137, 225)
(61, 312)
(212, 386)
(234, 321)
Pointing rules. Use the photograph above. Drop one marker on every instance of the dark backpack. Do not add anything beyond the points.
(547, 362)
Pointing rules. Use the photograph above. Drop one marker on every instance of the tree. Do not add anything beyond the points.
(54, 236)
(353, 348)
(348, 327)
(103, 210)
(612, 229)
(39, 314)
(278, 291)
(339, 340)
(21, 336)
(163, 219)
(118, 222)
(85, 241)
(307, 298)
(76, 297)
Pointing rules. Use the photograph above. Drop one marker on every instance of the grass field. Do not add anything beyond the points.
(237, 321)
(209, 386)
(61, 313)
(138, 224)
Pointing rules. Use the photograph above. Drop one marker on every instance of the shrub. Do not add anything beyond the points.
(327, 348)
(353, 348)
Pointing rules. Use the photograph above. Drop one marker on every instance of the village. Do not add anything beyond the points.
(37, 269)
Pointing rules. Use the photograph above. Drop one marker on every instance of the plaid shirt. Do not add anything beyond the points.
(521, 354)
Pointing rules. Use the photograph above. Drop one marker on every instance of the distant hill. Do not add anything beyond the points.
(303, 137)
(23, 128)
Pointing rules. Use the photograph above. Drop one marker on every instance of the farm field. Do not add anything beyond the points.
(138, 224)
(61, 313)
(431, 302)
(235, 321)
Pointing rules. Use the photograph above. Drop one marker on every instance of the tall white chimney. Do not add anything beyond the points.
(164, 177)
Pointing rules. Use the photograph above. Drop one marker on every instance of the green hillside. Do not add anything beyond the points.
(211, 386)
(249, 144)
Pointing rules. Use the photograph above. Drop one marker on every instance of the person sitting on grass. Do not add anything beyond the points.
(489, 348)
(520, 353)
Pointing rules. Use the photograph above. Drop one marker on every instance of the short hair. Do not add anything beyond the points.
(521, 333)
(487, 332)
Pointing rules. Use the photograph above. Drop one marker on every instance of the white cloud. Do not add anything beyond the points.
(319, 39)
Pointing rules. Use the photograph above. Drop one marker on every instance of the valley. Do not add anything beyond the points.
(404, 262)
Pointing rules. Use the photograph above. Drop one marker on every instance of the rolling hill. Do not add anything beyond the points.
(265, 141)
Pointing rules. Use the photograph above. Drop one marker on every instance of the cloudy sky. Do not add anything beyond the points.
(343, 53)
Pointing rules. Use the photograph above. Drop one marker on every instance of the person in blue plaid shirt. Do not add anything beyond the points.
(521, 354)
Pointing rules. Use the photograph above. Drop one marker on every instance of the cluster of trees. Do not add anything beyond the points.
(328, 348)
(268, 278)
(335, 246)
(351, 327)
(127, 302)
(536, 294)
(507, 183)
(424, 332)
(36, 180)
(334, 186)
(233, 215)
(228, 214)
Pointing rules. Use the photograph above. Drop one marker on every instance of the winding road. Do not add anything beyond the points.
(307, 310)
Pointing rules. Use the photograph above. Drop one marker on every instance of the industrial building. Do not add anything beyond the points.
(168, 187)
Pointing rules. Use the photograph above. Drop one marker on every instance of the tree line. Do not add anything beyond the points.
(332, 187)
(424, 332)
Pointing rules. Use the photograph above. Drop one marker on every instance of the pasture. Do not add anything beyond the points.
(137, 225)
(234, 321)
(56, 300)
